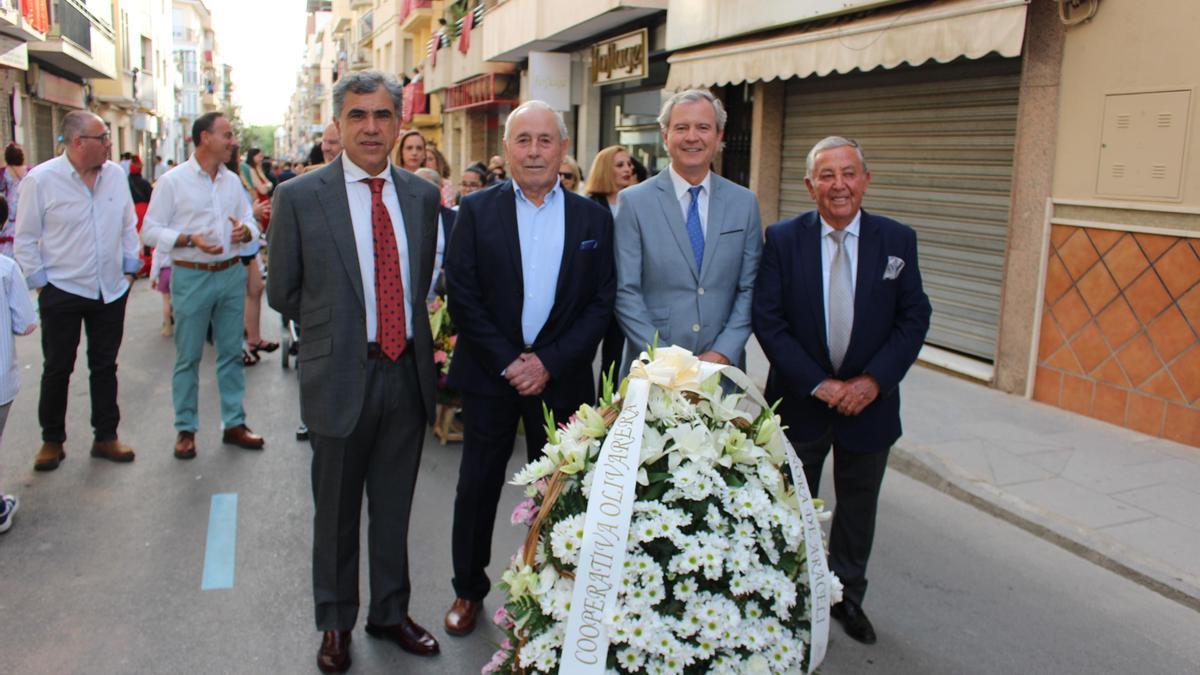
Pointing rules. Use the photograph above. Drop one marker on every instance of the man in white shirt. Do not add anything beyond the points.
(76, 242)
(352, 253)
(199, 214)
(160, 168)
(688, 243)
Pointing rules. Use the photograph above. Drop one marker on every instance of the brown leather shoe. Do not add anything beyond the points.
(113, 451)
(49, 456)
(242, 437)
(463, 616)
(411, 637)
(185, 445)
(334, 654)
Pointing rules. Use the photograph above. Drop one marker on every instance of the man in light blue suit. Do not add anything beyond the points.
(688, 243)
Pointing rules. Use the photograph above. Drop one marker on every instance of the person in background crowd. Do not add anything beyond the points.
(77, 243)
(13, 172)
(570, 175)
(688, 244)
(268, 167)
(316, 158)
(170, 164)
(640, 174)
(126, 159)
(160, 280)
(611, 172)
(160, 168)
(286, 173)
(367, 381)
(435, 160)
(331, 145)
(496, 168)
(199, 215)
(140, 189)
(260, 186)
(252, 259)
(446, 216)
(530, 278)
(410, 151)
(839, 378)
(17, 317)
(474, 178)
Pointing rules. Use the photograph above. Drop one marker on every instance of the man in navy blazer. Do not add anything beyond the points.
(840, 312)
(530, 285)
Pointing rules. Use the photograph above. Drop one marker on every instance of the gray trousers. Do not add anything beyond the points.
(382, 454)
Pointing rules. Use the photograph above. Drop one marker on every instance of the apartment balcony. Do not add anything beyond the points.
(78, 44)
(485, 90)
(361, 60)
(27, 24)
(416, 16)
(366, 29)
(517, 27)
(695, 22)
(453, 66)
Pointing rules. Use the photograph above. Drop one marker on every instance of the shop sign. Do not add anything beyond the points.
(60, 90)
(621, 58)
(550, 79)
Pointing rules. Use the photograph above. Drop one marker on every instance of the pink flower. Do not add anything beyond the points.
(525, 512)
(506, 644)
(439, 356)
(541, 485)
(494, 665)
(453, 340)
(502, 619)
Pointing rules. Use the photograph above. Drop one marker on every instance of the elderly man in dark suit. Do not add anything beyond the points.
(530, 281)
(352, 254)
(841, 314)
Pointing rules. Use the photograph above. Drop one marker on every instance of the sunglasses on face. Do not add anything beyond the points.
(566, 174)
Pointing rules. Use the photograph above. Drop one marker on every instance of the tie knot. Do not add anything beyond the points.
(838, 236)
(376, 184)
(695, 190)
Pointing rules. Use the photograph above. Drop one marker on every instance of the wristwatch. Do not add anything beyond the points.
(188, 243)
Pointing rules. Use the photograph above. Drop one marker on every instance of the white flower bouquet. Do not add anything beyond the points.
(671, 531)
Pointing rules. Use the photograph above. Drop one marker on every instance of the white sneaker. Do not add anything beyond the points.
(10, 504)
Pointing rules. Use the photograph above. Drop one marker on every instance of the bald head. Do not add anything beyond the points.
(331, 142)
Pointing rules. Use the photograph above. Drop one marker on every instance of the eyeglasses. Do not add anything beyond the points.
(104, 137)
(566, 174)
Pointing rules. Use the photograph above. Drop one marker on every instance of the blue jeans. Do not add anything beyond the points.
(199, 299)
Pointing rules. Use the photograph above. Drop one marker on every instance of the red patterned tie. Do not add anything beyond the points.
(389, 285)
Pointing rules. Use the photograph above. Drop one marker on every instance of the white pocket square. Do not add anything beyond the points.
(893, 268)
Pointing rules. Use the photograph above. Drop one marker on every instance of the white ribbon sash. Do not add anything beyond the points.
(606, 530)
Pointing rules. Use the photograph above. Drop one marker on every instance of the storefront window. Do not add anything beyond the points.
(629, 117)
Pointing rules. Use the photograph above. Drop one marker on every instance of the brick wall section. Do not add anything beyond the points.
(1120, 336)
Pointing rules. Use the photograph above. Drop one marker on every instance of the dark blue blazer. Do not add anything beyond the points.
(891, 317)
(485, 291)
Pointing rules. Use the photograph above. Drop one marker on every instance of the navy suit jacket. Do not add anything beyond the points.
(891, 318)
(485, 291)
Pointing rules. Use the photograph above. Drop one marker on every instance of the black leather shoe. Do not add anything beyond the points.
(411, 637)
(334, 655)
(854, 621)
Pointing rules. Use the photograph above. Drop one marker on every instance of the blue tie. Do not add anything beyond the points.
(695, 234)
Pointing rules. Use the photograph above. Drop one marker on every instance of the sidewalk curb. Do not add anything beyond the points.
(924, 465)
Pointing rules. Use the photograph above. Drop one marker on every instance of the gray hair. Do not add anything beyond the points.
(537, 105)
(829, 143)
(74, 123)
(691, 96)
(366, 82)
(430, 175)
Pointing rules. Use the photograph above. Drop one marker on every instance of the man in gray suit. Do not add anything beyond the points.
(687, 244)
(352, 250)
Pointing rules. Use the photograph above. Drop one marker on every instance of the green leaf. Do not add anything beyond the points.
(551, 427)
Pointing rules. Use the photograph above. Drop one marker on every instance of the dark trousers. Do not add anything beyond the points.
(857, 477)
(62, 314)
(382, 454)
(611, 350)
(489, 431)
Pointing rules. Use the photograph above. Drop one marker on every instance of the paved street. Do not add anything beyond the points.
(102, 571)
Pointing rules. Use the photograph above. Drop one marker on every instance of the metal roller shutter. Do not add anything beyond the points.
(939, 143)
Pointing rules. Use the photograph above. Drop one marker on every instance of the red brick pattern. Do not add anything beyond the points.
(1120, 334)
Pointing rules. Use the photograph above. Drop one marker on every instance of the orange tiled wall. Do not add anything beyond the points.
(1120, 334)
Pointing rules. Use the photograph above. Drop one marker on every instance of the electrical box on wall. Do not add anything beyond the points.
(1143, 144)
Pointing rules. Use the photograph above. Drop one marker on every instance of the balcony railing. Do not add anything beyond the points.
(489, 89)
(74, 25)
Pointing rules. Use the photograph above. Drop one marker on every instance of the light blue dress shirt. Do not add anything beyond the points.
(542, 230)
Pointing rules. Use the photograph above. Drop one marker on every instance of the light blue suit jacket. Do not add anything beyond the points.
(658, 285)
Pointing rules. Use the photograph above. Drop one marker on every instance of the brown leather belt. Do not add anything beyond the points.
(208, 267)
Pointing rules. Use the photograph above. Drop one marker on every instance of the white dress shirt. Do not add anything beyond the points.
(685, 198)
(829, 248)
(358, 194)
(188, 200)
(84, 241)
(542, 232)
(16, 316)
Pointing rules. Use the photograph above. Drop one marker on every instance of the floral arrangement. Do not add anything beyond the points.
(715, 571)
(444, 339)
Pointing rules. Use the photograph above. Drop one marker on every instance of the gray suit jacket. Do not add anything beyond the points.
(315, 278)
(658, 285)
